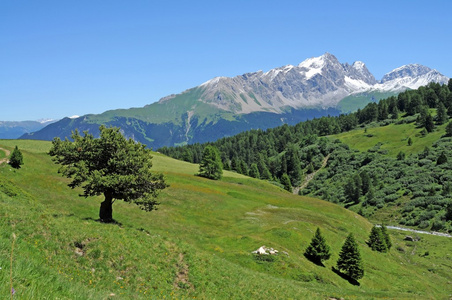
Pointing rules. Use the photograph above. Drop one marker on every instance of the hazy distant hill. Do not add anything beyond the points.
(13, 130)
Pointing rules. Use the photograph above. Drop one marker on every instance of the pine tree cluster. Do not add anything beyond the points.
(379, 239)
(349, 262)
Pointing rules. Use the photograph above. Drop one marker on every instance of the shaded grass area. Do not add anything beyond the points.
(204, 229)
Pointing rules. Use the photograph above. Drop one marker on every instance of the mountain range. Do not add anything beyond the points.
(225, 106)
(14, 129)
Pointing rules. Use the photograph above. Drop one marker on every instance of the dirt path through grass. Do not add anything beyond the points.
(309, 177)
(7, 152)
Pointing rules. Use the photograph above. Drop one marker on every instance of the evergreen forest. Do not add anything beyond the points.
(411, 188)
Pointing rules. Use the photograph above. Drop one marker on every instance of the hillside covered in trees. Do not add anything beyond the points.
(412, 189)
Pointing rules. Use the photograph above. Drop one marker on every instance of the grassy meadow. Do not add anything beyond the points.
(393, 137)
(197, 245)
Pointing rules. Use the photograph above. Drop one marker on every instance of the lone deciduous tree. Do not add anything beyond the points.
(110, 165)
(16, 159)
(211, 166)
(318, 250)
(350, 261)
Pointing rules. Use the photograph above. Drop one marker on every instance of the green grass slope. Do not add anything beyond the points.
(173, 110)
(353, 102)
(198, 243)
(393, 138)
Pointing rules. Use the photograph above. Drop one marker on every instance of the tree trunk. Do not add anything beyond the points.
(106, 209)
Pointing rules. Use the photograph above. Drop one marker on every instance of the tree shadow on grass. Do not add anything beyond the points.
(314, 261)
(112, 222)
(344, 276)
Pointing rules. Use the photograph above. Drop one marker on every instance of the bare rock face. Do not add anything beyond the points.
(319, 82)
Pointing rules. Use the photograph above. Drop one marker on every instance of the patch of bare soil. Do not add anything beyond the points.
(182, 281)
(5, 160)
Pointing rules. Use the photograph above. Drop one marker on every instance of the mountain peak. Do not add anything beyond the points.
(410, 70)
(410, 76)
(358, 65)
(314, 65)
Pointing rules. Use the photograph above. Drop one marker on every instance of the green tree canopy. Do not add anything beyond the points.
(428, 123)
(285, 181)
(377, 240)
(16, 159)
(318, 250)
(254, 171)
(441, 114)
(211, 166)
(350, 261)
(110, 165)
(442, 159)
(449, 129)
(385, 233)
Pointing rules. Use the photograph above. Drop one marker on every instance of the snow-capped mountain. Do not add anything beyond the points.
(409, 77)
(223, 106)
(316, 82)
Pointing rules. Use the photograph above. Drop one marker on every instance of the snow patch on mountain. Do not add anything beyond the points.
(355, 85)
(312, 66)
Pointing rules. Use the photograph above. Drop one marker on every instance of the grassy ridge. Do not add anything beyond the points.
(197, 244)
(166, 111)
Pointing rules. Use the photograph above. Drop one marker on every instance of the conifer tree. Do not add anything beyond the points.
(243, 168)
(350, 261)
(448, 215)
(285, 181)
(428, 123)
(16, 159)
(254, 171)
(385, 233)
(377, 240)
(447, 189)
(318, 250)
(449, 129)
(365, 182)
(442, 159)
(310, 169)
(370, 196)
(395, 113)
(441, 114)
(211, 166)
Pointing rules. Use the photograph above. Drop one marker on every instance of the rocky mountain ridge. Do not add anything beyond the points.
(224, 106)
(316, 82)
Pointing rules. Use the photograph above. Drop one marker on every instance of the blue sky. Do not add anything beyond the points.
(64, 58)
